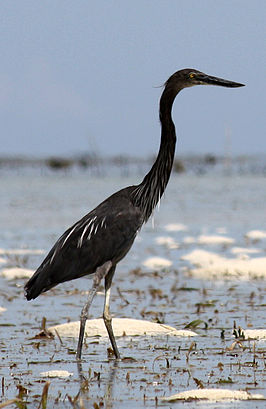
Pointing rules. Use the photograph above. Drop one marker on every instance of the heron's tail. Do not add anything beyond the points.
(32, 287)
(37, 284)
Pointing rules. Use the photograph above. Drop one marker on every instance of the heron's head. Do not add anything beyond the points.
(190, 77)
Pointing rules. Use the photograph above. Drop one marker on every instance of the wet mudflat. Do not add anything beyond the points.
(217, 305)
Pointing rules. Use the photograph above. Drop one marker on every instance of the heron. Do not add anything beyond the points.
(96, 243)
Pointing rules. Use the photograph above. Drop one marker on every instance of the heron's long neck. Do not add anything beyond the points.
(148, 193)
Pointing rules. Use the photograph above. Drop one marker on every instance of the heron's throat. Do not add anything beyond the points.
(148, 193)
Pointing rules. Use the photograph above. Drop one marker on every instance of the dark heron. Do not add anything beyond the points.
(97, 242)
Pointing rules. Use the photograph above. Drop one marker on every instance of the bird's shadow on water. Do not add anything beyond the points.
(83, 394)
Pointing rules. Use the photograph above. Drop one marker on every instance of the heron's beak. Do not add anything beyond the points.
(208, 80)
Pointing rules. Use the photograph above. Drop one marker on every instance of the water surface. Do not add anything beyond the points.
(36, 209)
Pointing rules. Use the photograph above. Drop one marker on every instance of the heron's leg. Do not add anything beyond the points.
(106, 312)
(100, 273)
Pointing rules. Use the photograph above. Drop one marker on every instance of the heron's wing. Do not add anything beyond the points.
(98, 237)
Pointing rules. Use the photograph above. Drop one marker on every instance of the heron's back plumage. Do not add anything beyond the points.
(106, 233)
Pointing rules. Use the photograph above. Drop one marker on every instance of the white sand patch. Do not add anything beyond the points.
(2, 260)
(121, 327)
(208, 240)
(189, 240)
(255, 333)
(212, 265)
(214, 395)
(21, 252)
(16, 272)
(256, 235)
(175, 227)
(157, 263)
(244, 250)
(56, 374)
(167, 241)
(204, 239)
(2, 309)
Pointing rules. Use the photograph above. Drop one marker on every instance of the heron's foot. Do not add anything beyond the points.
(108, 324)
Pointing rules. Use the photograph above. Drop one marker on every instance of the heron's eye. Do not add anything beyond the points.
(192, 75)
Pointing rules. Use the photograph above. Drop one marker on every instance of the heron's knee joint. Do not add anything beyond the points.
(84, 314)
(107, 317)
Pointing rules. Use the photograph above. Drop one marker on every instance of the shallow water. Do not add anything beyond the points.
(36, 209)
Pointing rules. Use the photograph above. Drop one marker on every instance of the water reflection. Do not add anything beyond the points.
(110, 384)
(109, 387)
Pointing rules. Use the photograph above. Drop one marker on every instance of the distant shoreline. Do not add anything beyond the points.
(127, 165)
